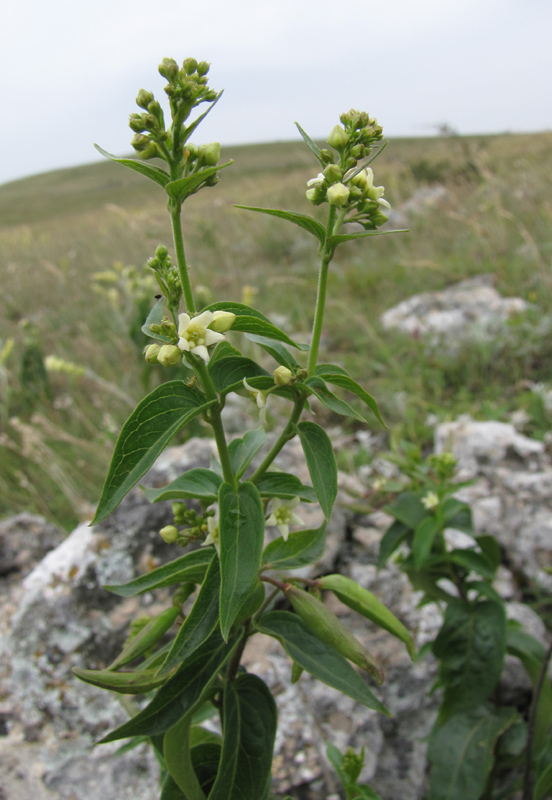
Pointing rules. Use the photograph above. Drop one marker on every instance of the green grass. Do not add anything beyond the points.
(58, 229)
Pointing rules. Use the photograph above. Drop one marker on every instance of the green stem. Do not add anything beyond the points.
(287, 434)
(527, 782)
(321, 294)
(181, 259)
(215, 421)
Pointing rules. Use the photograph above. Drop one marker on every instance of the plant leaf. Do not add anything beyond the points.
(191, 128)
(182, 188)
(543, 786)
(461, 751)
(278, 352)
(316, 386)
(392, 538)
(145, 434)
(250, 720)
(200, 622)
(408, 509)
(227, 374)
(422, 542)
(285, 486)
(471, 646)
(181, 693)
(338, 238)
(301, 548)
(259, 327)
(189, 567)
(367, 604)
(457, 515)
(242, 450)
(470, 560)
(340, 378)
(154, 317)
(201, 484)
(310, 144)
(320, 457)
(531, 652)
(155, 174)
(318, 658)
(241, 531)
(307, 223)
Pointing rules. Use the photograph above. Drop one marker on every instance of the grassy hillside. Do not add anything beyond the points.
(58, 230)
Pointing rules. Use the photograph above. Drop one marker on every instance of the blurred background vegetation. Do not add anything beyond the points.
(75, 290)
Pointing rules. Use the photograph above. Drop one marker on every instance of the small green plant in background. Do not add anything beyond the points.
(477, 743)
(235, 577)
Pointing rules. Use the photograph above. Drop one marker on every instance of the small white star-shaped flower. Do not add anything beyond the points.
(282, 515)
(430, 501)
(213, 536)
(259, 398)
(195, 335)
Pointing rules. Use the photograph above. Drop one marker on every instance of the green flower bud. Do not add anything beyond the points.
(151, 352)
(150, 122)
(161, 252)
(329, 629)
(358, 151)
(210, 96)
(333, 173)
(337, 195)
(168, 68)
(169, 534)
(140, 142)
(144, 98)
(192, 151)
(327, 156)
(282, 376)
(338, 138)
(189, 65)
(122, 682)
(375, 192)
(146, 638)
(209, 154)
(136, 123)
(169, 355)
(203, 67)
(151, 151)
(222, 321)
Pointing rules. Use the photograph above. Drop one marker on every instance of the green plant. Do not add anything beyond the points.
(199, 672)
(475, 739)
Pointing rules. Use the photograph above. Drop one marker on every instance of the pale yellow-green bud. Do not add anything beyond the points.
(151, 352)
(364, 180)
(169, 534)
(337, 195)
(144, 98)
(282, 376)
(375, 192)
(169, 355)
(311, 195)
(222, 321)
(209, 154)
(338, 138)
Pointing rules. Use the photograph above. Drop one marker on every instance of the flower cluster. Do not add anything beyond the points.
(195, 335)
(345, 185)
(166, 275)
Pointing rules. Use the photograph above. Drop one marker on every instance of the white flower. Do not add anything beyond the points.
(430, 501)
(318, 181)
(259, 398)
(214, 535)
(195, 336)
(282, 515)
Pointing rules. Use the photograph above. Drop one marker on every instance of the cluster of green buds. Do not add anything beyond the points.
(167, 276)
(343, 183)
(196, 526)
(187, 87)
(444, 464)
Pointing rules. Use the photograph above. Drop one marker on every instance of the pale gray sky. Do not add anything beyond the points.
(70, 69)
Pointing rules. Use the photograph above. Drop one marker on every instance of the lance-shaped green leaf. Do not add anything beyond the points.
(329, 629)
(424, 536)
(187, 132)
(170, 790)
(250, 720)
(259, 327)
(278, 352)
(317, 657)
(155, 317)
(307, 223)
(531, 652)
(200, 622)
(155, 174)
(137, 682)
(182, 188)
(468, 559)
(310, 144)
(367, 604)
(242, 450)
(471, 647)
(457, 515)
(190, 567)
(461, 751)
(286, 486)
(239, 309)
(338, 377)
(300, 549)
(392, 538)
(227, 374)
(316, 386)
(408, 509)
(338, 238)
(241, 532)
(145, 434)
(320, 457)
(181, 693)
(147, 637)
(200, 484)
(223, 350)
(543, 785)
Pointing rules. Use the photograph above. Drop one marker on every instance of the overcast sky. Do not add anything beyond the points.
(70, 69)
